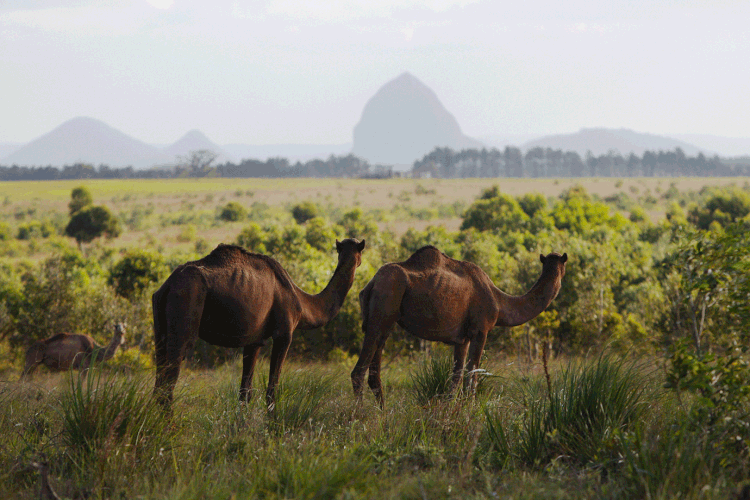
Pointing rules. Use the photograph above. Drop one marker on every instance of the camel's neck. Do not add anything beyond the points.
(317, 310)
(518, 309)
(106, 353)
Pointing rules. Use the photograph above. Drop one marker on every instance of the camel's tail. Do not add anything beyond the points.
(160, 328)
(364, 304)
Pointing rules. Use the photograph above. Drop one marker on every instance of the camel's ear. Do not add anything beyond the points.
(361, 246)
(338, 246)
(541, 257)
(564, 258)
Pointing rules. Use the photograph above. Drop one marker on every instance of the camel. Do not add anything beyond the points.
(434, 297)
(66, 351)
(234, 298)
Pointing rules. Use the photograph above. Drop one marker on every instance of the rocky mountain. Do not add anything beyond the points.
(86, 140)
(403, 121)
(601, 140)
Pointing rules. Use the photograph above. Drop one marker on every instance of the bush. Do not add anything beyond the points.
(304, 211)
(105, 415)
(581, 418)
(137, 271)
(432, 378)
(92, 222)
(232, 212)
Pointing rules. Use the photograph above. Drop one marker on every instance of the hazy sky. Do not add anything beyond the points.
(294, 71)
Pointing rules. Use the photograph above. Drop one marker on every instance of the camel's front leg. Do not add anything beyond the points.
(475, 356)
(281, 343)
(249, 358)
(459, 360)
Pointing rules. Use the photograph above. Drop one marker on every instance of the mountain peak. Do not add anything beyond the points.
(86, 140)
(405, 120)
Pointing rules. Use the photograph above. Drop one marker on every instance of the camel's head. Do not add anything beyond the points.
(120, 332)
(554, 261)
(349, 247)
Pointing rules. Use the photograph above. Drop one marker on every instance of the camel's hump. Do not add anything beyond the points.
(427, 255)
(56, 337)
(229, 255)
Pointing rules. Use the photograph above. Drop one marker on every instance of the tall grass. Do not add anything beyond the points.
(104, 414)
(432, 377)
(301, 397)
(580, 421)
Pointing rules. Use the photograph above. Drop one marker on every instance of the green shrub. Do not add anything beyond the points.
(91, 222)
(136, 271)
(432, 377)
(305, 211)
(232, 212)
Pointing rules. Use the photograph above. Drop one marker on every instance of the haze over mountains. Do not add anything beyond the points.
(401, 123)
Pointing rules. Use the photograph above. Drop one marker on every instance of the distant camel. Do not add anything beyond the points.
(65, 351)
(434, 297)
(234, 298)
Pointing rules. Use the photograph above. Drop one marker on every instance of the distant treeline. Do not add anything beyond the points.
(440, 163)
(539, 162)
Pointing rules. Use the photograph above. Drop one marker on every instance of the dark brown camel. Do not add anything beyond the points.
(234, 298)
(65, 351)
(435, 297)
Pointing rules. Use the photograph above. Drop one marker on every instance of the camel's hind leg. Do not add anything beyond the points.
(373, 377)
(475, 356)
(376, 333)
(177, 316)
(380, 302)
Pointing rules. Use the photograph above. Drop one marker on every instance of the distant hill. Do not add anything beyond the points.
(86, 140)
(725, 146)
(601, 140)
(193, 141)
(403, 121)
(292, 152)
(7, 148)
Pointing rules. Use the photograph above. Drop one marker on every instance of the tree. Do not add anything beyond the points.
(198, 163)
(80, 197)
(92, 222)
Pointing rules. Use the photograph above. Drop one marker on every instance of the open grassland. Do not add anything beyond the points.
(104, 438)
(156, 212)
(665, 415)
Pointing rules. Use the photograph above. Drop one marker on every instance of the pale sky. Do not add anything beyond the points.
(295, 71)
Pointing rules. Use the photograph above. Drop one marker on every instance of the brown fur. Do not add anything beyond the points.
(234, 298)
(438, 298)
(65, 351)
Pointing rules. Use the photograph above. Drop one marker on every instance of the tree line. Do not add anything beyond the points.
(540, 162)
(442, 163)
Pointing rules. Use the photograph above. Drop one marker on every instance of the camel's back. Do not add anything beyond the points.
(63, 350)
(227, 260)
(428, 264)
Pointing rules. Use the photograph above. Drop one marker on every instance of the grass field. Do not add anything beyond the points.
(599, 427)
(201, 198)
